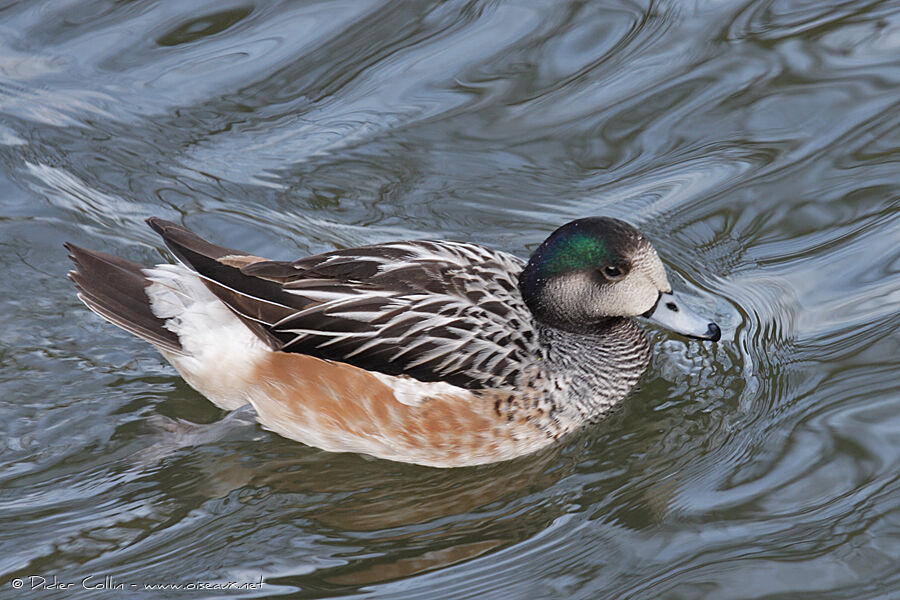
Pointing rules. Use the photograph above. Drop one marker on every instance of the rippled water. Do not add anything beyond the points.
(756, 143)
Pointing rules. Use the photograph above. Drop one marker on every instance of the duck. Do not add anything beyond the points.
(437, 353)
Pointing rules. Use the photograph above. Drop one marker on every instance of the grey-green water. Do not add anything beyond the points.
(756, 143)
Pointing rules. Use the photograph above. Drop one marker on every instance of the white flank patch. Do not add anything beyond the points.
(413, 392)
(220, 351)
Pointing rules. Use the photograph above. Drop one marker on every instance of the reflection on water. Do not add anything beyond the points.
(754, 142)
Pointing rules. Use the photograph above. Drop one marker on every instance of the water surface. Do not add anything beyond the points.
(756, 144)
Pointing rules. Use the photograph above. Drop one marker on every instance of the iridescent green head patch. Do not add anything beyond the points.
(573, 253)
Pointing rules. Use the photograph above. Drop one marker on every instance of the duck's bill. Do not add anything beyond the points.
(671, 313)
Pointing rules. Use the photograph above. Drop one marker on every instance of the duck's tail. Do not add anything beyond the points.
(115, 289)
(172, 307)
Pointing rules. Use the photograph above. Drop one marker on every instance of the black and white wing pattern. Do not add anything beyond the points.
(433, 310)
(443, 311)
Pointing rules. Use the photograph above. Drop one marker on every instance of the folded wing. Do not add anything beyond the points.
(436, 311)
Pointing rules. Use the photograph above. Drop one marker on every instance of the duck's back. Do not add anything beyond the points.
(432, 310)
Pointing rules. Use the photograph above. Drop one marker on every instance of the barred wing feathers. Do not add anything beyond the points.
(433, 310)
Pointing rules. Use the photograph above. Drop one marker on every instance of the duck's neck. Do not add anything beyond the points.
(595, 370)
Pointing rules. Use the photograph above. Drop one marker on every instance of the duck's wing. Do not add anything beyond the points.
(433, 310)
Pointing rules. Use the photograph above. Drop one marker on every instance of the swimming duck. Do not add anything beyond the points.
(439, 353)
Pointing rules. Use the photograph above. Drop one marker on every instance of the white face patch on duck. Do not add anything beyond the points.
(639, 290)
(646, 262)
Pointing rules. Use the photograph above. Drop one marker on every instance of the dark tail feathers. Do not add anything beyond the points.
(114, 289)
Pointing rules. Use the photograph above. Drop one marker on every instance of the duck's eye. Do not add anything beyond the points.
(612, 272)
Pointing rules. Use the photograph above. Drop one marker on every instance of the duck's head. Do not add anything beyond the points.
(591, 270)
